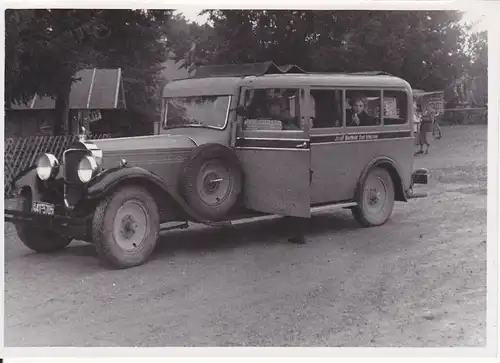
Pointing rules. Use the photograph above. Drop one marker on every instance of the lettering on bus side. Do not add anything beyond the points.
(360, 137)
(371, 136)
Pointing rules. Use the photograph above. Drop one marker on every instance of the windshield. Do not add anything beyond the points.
(201, 111)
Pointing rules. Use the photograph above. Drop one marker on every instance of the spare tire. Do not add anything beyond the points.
(211, 181)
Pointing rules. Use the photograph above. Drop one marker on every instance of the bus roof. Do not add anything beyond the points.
(224, 85)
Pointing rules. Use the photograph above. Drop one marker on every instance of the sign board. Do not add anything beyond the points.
(430, 101)
(391, 107)
(91, 116)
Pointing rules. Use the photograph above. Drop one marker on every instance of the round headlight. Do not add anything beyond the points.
(47, 166)
(86, 168)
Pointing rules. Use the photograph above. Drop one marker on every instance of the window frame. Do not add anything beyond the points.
(164, 125)
(408, 110)
(303, 106)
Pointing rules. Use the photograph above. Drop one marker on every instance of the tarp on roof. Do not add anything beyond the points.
(371, 73)
(243, 70)
(94, 89)
(291, 68)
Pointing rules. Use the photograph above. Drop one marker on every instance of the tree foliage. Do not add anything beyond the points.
(46, 47)
(423, 47)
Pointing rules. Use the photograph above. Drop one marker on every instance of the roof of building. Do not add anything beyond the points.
(94, 89)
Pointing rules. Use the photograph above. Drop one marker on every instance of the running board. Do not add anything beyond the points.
(269, 217)
(177, 226)
(327, 207)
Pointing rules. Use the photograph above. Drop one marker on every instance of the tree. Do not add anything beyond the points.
(45, 48)
(183, 36)
(478, 69)
(423, 47)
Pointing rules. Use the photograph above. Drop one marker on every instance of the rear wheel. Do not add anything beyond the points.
(376, 198)
(38, 239)
(125, 227)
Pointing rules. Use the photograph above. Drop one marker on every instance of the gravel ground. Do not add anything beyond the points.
(419, 280)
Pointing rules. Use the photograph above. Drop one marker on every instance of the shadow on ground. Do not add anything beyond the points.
(209, 239)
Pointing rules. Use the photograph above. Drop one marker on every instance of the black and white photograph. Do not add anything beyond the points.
(246, 178)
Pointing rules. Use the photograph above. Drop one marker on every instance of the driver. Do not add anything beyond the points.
(279, 111)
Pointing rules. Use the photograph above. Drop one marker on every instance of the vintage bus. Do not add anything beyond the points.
(233, 142)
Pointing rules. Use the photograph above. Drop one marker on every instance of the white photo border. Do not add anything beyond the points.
(491, 350)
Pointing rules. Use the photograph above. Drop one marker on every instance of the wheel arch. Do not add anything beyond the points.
(167, 206)
(391, 167)
(169, 203)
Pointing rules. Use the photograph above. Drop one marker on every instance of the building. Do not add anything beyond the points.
(97, 100)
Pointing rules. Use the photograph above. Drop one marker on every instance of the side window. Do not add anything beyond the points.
(272, 109)
(363, 108)
(326, 108)
(395, 108)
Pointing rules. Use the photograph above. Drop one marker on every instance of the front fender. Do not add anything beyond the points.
(27, 179)
(110, 179)
(390, 165)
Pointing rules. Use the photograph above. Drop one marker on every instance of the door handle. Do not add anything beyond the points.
(301, 146)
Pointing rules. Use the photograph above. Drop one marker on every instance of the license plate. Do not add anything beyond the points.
(43, 208)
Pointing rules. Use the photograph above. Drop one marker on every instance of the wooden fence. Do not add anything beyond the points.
(23, 152)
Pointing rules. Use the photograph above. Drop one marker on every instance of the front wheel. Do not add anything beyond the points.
(376, 198)
(125, 227)
(38, 239)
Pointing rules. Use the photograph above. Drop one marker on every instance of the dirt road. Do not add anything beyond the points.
(419, 280)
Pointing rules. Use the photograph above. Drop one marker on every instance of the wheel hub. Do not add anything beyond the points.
(214, 183)
(131, 225)
(128, 226)
(375, 195)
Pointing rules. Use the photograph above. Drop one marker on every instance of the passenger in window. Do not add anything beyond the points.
(357, 116)
(257, 109)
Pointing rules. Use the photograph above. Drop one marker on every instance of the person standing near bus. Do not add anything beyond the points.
(417, 118)
(425, 131)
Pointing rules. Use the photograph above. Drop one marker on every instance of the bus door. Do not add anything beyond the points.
(273, 145)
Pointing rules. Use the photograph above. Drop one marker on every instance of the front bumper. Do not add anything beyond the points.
(75, 227)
